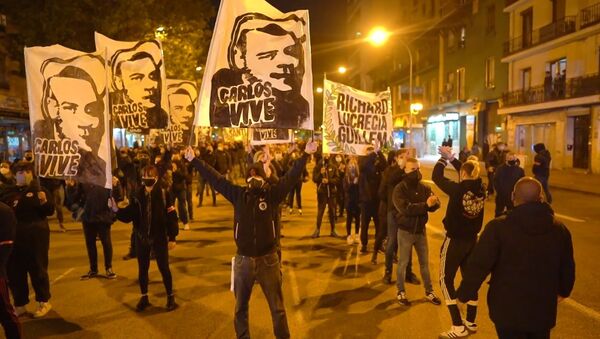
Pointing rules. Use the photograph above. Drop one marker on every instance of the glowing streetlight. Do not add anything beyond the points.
(319, 89)
(378, 36)
(416, 107)
(198, 69)
(342, 70)
(160, 32)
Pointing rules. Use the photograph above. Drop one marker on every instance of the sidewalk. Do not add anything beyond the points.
(559, 179)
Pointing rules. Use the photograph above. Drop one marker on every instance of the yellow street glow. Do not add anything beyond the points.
(342, 69)
(416, 107)
(378, 36)
(199, 68)
(319, 90)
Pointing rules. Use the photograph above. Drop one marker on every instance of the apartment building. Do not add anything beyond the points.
(553, 57)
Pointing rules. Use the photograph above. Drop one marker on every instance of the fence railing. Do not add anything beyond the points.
(589, 16)
(543, 34)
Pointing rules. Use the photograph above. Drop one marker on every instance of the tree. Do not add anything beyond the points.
(72, 24)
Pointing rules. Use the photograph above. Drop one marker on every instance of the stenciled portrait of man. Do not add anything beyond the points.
(267, 51)
(137, 81)
(182, 101)
(73, 107)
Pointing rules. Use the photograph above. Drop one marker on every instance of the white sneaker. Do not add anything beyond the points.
(20, 310)
(186, 227)
(42, 310)
(300, 211)
(471, 327)
(350, 239)
(455, 332)
(291, 211)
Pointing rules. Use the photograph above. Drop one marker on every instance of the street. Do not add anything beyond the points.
(331, 290)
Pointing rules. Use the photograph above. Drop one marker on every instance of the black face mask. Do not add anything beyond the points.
(148, 182)
(414, 177)
(512, 162)
(28, 158)
(255, 184)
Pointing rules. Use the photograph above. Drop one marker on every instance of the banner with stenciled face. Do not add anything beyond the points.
(258, 72)
(138, 100)
(265, 136)
(181, 96)
(69, 115)
(353, 120)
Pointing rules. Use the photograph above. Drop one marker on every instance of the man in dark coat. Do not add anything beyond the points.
(505, 179)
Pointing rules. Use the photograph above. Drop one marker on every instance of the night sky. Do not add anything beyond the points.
(327, 25)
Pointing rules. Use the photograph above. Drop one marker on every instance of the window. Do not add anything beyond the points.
(460, 85)
(451, 39)
(3, 72)
(463, 37)
(526, 79)
(491, 19)
(490, 72)
(432, 9)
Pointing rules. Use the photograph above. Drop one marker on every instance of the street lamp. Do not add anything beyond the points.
(342, 70)
(160, 32)
(199, 68)
(319, 90)
(378, 36)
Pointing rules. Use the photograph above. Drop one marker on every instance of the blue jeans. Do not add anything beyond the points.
(392, 246)
(266, 270)
(406, 241)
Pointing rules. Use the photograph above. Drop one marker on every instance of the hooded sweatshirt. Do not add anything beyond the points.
(529, 254)
(541, 166)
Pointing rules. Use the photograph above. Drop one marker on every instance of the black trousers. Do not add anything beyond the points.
(381, 228)
(297, 191)
(368, 210)
(189, 202)
(454, 255)
(161, 254)
(340, 199)
(30, 257)
(503, 203)
(512, 334)
(102, 231)
(8, 317)
(201, 186)
(490, 188)
(326, 201)
(352, 214)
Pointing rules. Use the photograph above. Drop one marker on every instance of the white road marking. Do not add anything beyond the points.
(566, 217)
(583, 309)
(62, 275)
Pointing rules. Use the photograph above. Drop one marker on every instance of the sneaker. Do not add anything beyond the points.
(20, 310)
(432, 298)
(387, 278)
(129, 256)
(315, 234)
(471, 327)
(142, 304)
(291, 211)
(186, 227)
(455, 332)
(89, 275)
(171, 304)
(374, 258)
(110, 274)
(300, 211)
(42, 310)
(363, 249)
(412, 279)
(350, 239)
(402, 299)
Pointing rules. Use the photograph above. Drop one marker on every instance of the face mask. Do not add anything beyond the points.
(4, 171)
(148, 182)
(512, 162)
(23, 178)
(414, 177)
(255, 183)
(338, 159)
(28, 158)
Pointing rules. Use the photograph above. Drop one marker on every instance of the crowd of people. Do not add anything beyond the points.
(153, 189)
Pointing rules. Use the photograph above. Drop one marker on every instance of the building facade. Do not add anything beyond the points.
(553, 58)
(14, 116)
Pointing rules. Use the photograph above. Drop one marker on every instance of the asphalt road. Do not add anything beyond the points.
(331, 291)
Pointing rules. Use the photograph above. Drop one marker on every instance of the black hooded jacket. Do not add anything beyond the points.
(529, 254)
(541, 161)
(464, 215)
(254, 227)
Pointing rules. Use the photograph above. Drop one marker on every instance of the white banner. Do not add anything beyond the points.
(354, 120)
(258, 72)
(182, 96)
(68, 110)
(138, 101)
(264, 136)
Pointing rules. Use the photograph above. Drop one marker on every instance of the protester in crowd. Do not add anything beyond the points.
(541, 168)
(97, 220)
(529, 254)
(207, 156)
(495, 158)
(223, 160)
(7, 177)
(178, 189)
(340, 165)
(352, 200)
(296, 191)
(8, 317)
(326, 176)
(464, 154)
(505, 179)
(57, 190)
(371, 169)
(392, 176)
(475, 150)
(152, 212)
(412, 202)
(32, 205)
(463, 221)
(188, 173)
(255, 237)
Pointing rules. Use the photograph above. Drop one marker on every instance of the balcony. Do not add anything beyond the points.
(573, 88)
(589, 16)
(541, 35)
(509, 2)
